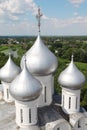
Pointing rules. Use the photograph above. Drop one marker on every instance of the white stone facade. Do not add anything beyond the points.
(70, 101)
(6, 95)
(58, 125)
(47, 90)
(78, 121)
(26, 113)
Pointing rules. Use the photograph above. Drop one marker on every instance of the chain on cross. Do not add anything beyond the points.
(38, 16)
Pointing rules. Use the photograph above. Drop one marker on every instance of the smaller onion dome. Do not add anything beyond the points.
(40, 60)
(9, 71)
(71, 77)
(25, 87)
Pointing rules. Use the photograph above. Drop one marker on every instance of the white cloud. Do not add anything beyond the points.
(71, 26)
(76, 14)
(49, 26)
(12, 10)
(15, 8)
(76, 3)
(13, 17)
(19, 28)
(58, 23)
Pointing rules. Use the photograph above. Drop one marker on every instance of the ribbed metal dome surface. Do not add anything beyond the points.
(25, 87)
(40, 60)
(9, 71)
(71, 77)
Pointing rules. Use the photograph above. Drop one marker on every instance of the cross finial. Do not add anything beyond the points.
(38, 16)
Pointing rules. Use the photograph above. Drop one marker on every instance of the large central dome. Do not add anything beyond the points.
(40, 60)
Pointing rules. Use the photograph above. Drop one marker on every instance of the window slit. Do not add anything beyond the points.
(63, 100)
(7, 93)
(79, 124)
(76, 102)
(29, 115)
(21, 113)
(45, 95)
(69, 102)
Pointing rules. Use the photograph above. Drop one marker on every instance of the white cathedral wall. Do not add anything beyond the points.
(81, 124)
(78, 121)
(60, 124)
(70, 101)
(26, 113)
(1, 95)
(47, 90)
(52, 84)
(7, 97)
(1, 92)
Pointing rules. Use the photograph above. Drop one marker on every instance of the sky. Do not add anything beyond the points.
(60, 17)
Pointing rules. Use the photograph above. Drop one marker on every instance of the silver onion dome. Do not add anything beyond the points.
(9, 71)
(25, 87)
(40, 60)
(71, 77)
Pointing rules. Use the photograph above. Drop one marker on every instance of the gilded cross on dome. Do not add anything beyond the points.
(38, 16)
